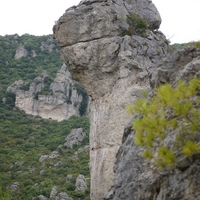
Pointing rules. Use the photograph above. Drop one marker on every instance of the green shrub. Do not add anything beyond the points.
(172, 112)
(195, 44)
(4, 195)
(137, 25)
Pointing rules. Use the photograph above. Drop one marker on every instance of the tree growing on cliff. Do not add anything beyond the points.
(167, 126)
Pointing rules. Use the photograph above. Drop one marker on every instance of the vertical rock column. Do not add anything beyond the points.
(110, 66)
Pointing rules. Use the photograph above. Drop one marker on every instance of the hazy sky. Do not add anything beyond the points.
(180, 18)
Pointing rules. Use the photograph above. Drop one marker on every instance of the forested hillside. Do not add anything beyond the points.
(37, 155)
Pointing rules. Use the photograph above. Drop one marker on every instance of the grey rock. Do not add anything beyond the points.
(42, 172)
(58, 164)
(54, 192)
(111, 66)
(182, 64)
(15, 86)
(136, 179)
(15, 186)
(54, 154)
(41, 197)
(43, 158)
(33, 53)
(69, 177)
(81, 184)
(86, 149)
(20, 52)
(63, 102)
(76, 136)
(92, 20)
(19, 163)
(47, 45)
(63, 196)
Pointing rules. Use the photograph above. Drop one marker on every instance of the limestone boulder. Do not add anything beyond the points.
(20, 52)
(81, 183)
(76, 136)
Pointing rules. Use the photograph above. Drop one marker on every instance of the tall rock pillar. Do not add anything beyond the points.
(112, 67)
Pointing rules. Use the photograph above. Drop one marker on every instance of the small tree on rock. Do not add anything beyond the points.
(168, 125)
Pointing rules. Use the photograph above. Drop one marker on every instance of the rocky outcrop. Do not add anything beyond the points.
(20, 52)
(41, 197)
(15, 186)
(75, 137)
(81, 184)
(63, 100)
(138, 179)
(111, 66)
(59, 196)
(47, 45)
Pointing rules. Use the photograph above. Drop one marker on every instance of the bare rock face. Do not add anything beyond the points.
(110, 66)
(136, 179)
(20, 52)
(76, 136)
(63, 101)
(81, 184)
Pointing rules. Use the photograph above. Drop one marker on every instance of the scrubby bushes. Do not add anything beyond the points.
(167, 126)
(137, 25)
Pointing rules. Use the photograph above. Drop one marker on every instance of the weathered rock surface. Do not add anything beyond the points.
(63, 102)
(54, 192)
(76, 136)
(110, 66)
(59, 196)
(53, 154)
(41, 197)
(81, 183)
(137, 179)
(182, 64)
(20, 52)
(69, 177)
(15, 186)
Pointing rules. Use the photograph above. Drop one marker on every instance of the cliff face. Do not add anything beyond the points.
(137, 179)
(62, 101)
(112, 67)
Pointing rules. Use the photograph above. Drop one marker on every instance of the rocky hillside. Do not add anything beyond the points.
(56, 99)
(41, 158)
(114, 49)
(43, 86)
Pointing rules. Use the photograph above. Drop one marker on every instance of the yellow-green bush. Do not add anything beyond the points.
(170, 113)
(195, 44)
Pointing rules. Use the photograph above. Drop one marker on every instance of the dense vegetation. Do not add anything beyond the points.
(171, 113)
(24, 139)
(178, 46)
(29, 67)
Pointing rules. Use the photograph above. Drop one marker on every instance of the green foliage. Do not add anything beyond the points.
(170, 113)
(177, 46)
(23, 138)
(29, 67)
(194, 44)
(137, 25)
(4, 195)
